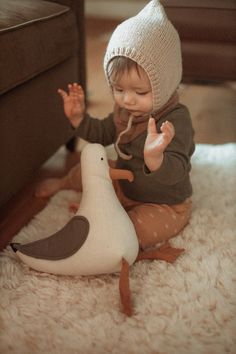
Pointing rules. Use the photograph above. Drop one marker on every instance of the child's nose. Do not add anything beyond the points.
(129, 98)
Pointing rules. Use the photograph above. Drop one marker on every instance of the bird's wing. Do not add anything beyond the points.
(62, 244)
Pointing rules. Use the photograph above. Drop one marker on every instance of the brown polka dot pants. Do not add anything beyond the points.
(155, 223)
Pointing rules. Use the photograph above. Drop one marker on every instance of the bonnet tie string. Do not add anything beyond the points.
(119, 152)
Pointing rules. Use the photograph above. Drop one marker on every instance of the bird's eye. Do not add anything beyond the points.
(101, 158)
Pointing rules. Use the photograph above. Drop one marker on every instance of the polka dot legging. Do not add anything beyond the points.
(155, 223)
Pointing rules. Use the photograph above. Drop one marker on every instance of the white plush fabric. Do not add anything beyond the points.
(183, 308)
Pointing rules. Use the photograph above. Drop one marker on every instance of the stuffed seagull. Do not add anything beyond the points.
(100, 238)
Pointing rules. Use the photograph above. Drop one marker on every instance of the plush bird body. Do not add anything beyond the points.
(100, 235)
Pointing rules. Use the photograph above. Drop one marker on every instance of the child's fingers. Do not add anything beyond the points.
(78, 90)
(62, 93)
(71, 88)
(75, 89)
(165, 125)
(168, 128)
(152, 129)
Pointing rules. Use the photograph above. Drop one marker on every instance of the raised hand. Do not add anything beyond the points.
(156, 143)
(74, 105)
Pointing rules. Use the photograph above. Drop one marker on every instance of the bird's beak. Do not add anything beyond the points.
(116, 173)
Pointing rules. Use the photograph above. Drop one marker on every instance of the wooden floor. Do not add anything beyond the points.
(212, 107)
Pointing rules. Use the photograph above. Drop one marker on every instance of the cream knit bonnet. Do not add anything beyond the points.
(152, 42)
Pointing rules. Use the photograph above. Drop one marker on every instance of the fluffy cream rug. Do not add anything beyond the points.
(187, 307)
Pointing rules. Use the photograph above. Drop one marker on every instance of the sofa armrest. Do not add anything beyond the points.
(78, 7)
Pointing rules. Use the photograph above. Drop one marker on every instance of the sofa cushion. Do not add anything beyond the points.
(40, 34)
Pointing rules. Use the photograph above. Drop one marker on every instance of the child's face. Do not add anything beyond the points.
(132, 91)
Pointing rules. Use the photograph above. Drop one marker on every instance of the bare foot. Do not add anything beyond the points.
(48, 188)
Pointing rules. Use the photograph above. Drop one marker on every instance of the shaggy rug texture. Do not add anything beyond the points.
(181, 308)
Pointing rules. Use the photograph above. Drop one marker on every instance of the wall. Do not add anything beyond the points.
(113, 9)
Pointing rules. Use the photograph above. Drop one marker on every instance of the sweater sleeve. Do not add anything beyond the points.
(176, 163)
(96, 130)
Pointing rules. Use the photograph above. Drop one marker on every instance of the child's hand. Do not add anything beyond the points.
(156, 143)
(74, 105)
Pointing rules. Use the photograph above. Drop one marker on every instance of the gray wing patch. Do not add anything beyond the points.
(64, 243)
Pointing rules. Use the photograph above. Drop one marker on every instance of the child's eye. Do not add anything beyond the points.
(142, 93)
(118, 89)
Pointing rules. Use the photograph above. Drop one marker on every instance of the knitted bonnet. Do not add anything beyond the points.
(152, 42)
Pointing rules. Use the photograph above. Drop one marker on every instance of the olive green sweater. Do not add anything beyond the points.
(170, 184)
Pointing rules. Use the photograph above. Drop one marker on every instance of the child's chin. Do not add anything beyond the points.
(140, 114)
(136, 114)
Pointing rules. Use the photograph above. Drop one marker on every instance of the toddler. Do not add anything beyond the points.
(151, 131)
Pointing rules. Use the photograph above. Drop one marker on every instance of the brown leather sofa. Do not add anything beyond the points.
(207, 29)
(41, 49)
